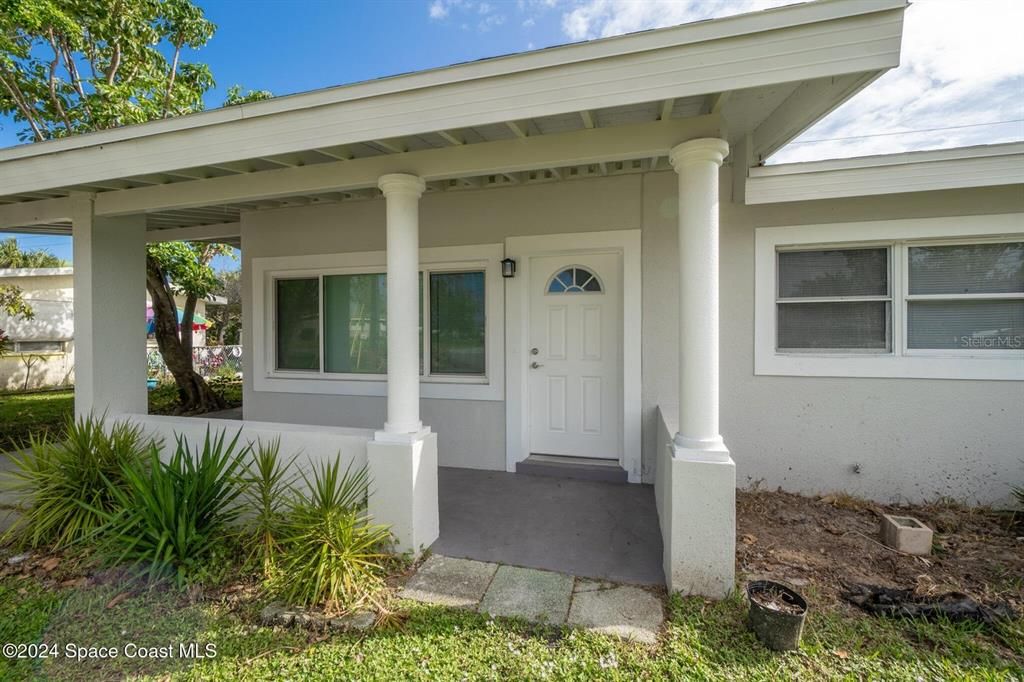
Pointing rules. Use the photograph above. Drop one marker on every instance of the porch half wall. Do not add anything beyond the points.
(914, 439)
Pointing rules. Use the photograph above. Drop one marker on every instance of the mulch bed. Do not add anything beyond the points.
(823, 544)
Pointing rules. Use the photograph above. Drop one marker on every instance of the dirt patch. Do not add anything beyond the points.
(818, 544)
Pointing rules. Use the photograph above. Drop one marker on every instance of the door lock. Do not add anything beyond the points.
(534, 351)
(535, 365)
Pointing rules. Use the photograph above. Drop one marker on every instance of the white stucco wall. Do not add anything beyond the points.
(51, 298)
(914, 439)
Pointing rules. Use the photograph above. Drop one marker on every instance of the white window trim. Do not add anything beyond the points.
(901, 362)
(268, 378)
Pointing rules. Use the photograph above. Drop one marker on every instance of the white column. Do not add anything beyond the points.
(699, 505)
(402, 193)
(697, 163)
(110, 304)
(402, 459)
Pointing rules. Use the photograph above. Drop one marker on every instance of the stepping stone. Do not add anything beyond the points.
(623, 611)
(527, 593)
(449, 582)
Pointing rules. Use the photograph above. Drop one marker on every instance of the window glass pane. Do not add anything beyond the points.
(967, 269)
(970, 325)
(844, 325)
(355, 324)
(837, 272)
(457, 323)
(298, 315)
(574, 280)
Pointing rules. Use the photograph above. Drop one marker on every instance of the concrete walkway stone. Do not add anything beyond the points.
(624, 611)
(527, 593)
(450, 582)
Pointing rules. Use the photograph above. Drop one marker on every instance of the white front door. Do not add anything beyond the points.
(575, 355)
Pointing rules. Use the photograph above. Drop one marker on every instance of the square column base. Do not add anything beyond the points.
(700, 556)
(403, 490)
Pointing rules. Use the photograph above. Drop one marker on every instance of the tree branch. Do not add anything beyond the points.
(19, 99)
(170, 78)
(53, 82)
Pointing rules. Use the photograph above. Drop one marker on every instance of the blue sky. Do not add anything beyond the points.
(960, 81)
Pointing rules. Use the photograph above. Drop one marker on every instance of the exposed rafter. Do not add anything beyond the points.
(666, 109)
(392, 146)
(520, 128)
(589, 120)
(452, 137)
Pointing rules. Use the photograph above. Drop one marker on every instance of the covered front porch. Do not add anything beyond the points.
(589, 169)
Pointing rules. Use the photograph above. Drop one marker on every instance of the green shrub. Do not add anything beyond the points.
(67, 485)
(330, 553)
(172, 515)
(268, 489)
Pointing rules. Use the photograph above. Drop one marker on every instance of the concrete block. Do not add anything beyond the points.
(906, 534)
(700, 548)
(527, 593)
(403, 491)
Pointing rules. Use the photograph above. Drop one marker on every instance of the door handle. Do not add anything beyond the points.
(535, 365)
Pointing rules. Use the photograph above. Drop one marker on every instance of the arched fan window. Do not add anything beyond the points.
(574, 280)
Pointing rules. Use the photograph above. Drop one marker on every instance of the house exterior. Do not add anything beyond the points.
(576, 253)
(43, 348)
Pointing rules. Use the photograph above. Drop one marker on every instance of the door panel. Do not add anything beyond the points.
(575, 373)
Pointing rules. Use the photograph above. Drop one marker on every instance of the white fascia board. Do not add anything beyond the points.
(790, 44)
(869, 176)
(35, 272)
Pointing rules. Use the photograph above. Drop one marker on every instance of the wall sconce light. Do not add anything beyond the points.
(508, 268)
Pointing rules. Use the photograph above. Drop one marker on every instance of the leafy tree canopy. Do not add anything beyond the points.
(13, 256)
(73, 66)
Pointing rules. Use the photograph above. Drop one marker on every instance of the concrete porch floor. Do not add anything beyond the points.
(589, 529)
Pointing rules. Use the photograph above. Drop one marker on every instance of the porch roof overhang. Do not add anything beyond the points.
(602, 107)
(980, 166)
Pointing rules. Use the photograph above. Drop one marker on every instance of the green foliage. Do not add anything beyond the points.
(164, 399)
(13, 302)
(330, 553)
(267, 492)
(187, 266)
(12, 256)
(5, 343)
(70, 484)
(73, 66)
(236, 96)
(172, 515)
(27, 414)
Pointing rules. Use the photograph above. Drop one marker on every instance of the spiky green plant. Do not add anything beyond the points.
(66, 485)
(331, 554)
(172, 514)
(268, 488)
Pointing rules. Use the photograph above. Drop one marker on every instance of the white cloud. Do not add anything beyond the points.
(961, 65)
(438, 10)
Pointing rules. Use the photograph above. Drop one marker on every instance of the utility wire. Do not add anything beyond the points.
(907, 132)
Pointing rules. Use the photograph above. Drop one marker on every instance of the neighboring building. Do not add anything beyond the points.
(575, 252)
(43, 348)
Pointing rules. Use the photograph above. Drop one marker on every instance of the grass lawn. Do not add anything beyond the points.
(24, 414)
(702, 640)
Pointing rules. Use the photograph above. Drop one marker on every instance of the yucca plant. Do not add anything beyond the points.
(330, 553)
(268, 489)
(172, 514)
(66, 485)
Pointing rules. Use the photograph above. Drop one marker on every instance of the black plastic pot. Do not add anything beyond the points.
(779, 630)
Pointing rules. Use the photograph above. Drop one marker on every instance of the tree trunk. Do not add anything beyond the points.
(176, 345)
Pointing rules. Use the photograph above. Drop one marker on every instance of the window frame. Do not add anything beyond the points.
(907, 298)
(479, 258)
(62, 348)
(888, 298)
(900, 361)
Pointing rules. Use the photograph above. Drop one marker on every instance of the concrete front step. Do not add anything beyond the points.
(580, 468)
(625, 611)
